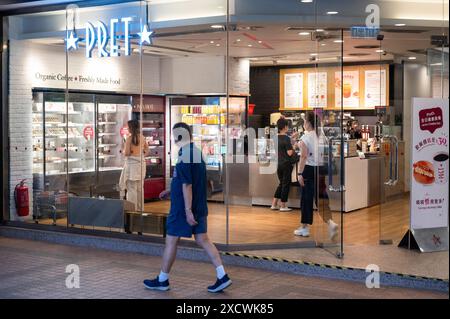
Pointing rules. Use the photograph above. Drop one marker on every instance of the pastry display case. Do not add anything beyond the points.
(77, 142)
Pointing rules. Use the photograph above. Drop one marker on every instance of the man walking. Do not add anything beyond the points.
(188, 211)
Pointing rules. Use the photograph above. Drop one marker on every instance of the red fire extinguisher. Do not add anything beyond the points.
(22, 199)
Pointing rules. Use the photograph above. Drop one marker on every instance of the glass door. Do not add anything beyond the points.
(421, 74)
(325, 98)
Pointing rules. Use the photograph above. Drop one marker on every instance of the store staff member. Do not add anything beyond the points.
(355, 131)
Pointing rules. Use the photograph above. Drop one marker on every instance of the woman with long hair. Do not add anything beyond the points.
(134, 170)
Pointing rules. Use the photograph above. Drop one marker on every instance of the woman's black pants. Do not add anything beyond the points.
(307, 200)
(284, 173)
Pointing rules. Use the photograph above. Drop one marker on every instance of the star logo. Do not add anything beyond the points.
(72, 41)
(145, 35)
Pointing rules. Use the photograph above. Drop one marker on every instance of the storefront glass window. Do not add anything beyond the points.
(37, 119)
(190, 42)
(82, 80)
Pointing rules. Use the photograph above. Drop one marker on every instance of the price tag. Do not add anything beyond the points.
(124, 131)
(88, 132)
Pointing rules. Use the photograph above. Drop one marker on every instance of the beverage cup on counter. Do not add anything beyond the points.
(440, 163)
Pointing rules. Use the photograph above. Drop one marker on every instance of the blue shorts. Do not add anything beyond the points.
(177, 225)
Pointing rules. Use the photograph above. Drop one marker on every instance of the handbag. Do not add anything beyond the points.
(294, 158)
(294, 175)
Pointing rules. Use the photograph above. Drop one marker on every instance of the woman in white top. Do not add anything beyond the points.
(308, 171)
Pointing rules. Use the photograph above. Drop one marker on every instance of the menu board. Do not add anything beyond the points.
(350, 89)
(317, 89)
(362, 87)
(375, 88)
(429, 159)
(293, 90)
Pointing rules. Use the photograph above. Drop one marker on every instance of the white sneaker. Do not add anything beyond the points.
(302, 231)
(285, 209)
(274, 207)
(298, 231)
(332, 230)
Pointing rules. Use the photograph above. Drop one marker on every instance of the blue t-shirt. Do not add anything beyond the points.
(190, 169)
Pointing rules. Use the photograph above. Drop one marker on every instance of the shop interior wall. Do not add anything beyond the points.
(4, 128)
(416, 83)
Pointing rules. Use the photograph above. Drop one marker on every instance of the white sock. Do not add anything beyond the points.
(220, 272)
(163, 276)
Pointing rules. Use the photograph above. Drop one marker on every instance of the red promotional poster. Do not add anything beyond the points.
(430, 119)
(88, 132)
(429, 163)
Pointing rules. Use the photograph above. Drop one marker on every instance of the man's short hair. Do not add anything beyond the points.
(182, 125)
(281, 124)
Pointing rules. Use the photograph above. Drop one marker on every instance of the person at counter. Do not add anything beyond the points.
(134, 170)
(284, 169)
(355, 131)
(308, 172)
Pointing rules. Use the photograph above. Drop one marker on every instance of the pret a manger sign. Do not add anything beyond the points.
(104, 37)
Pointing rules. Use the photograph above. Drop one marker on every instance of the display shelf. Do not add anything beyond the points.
(65, 172)
(62, 136)
(107, 134)
(58, 161)
(106, 145)
(66, 113)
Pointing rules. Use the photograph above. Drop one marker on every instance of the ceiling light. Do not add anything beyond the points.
(304, 33)
(218, 45)
(217, 26)
(259, 41)
(436, 64)
(379, 51)
(332, 12)
(338, 41)
(211, 42)
(307, 1)
(249, 45)
(412, 58)
(313, 54)
(238, 40)
(320, 30)
(323, 44)
(399, 24)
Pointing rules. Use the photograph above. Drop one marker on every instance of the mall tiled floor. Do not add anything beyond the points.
(30, 269)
